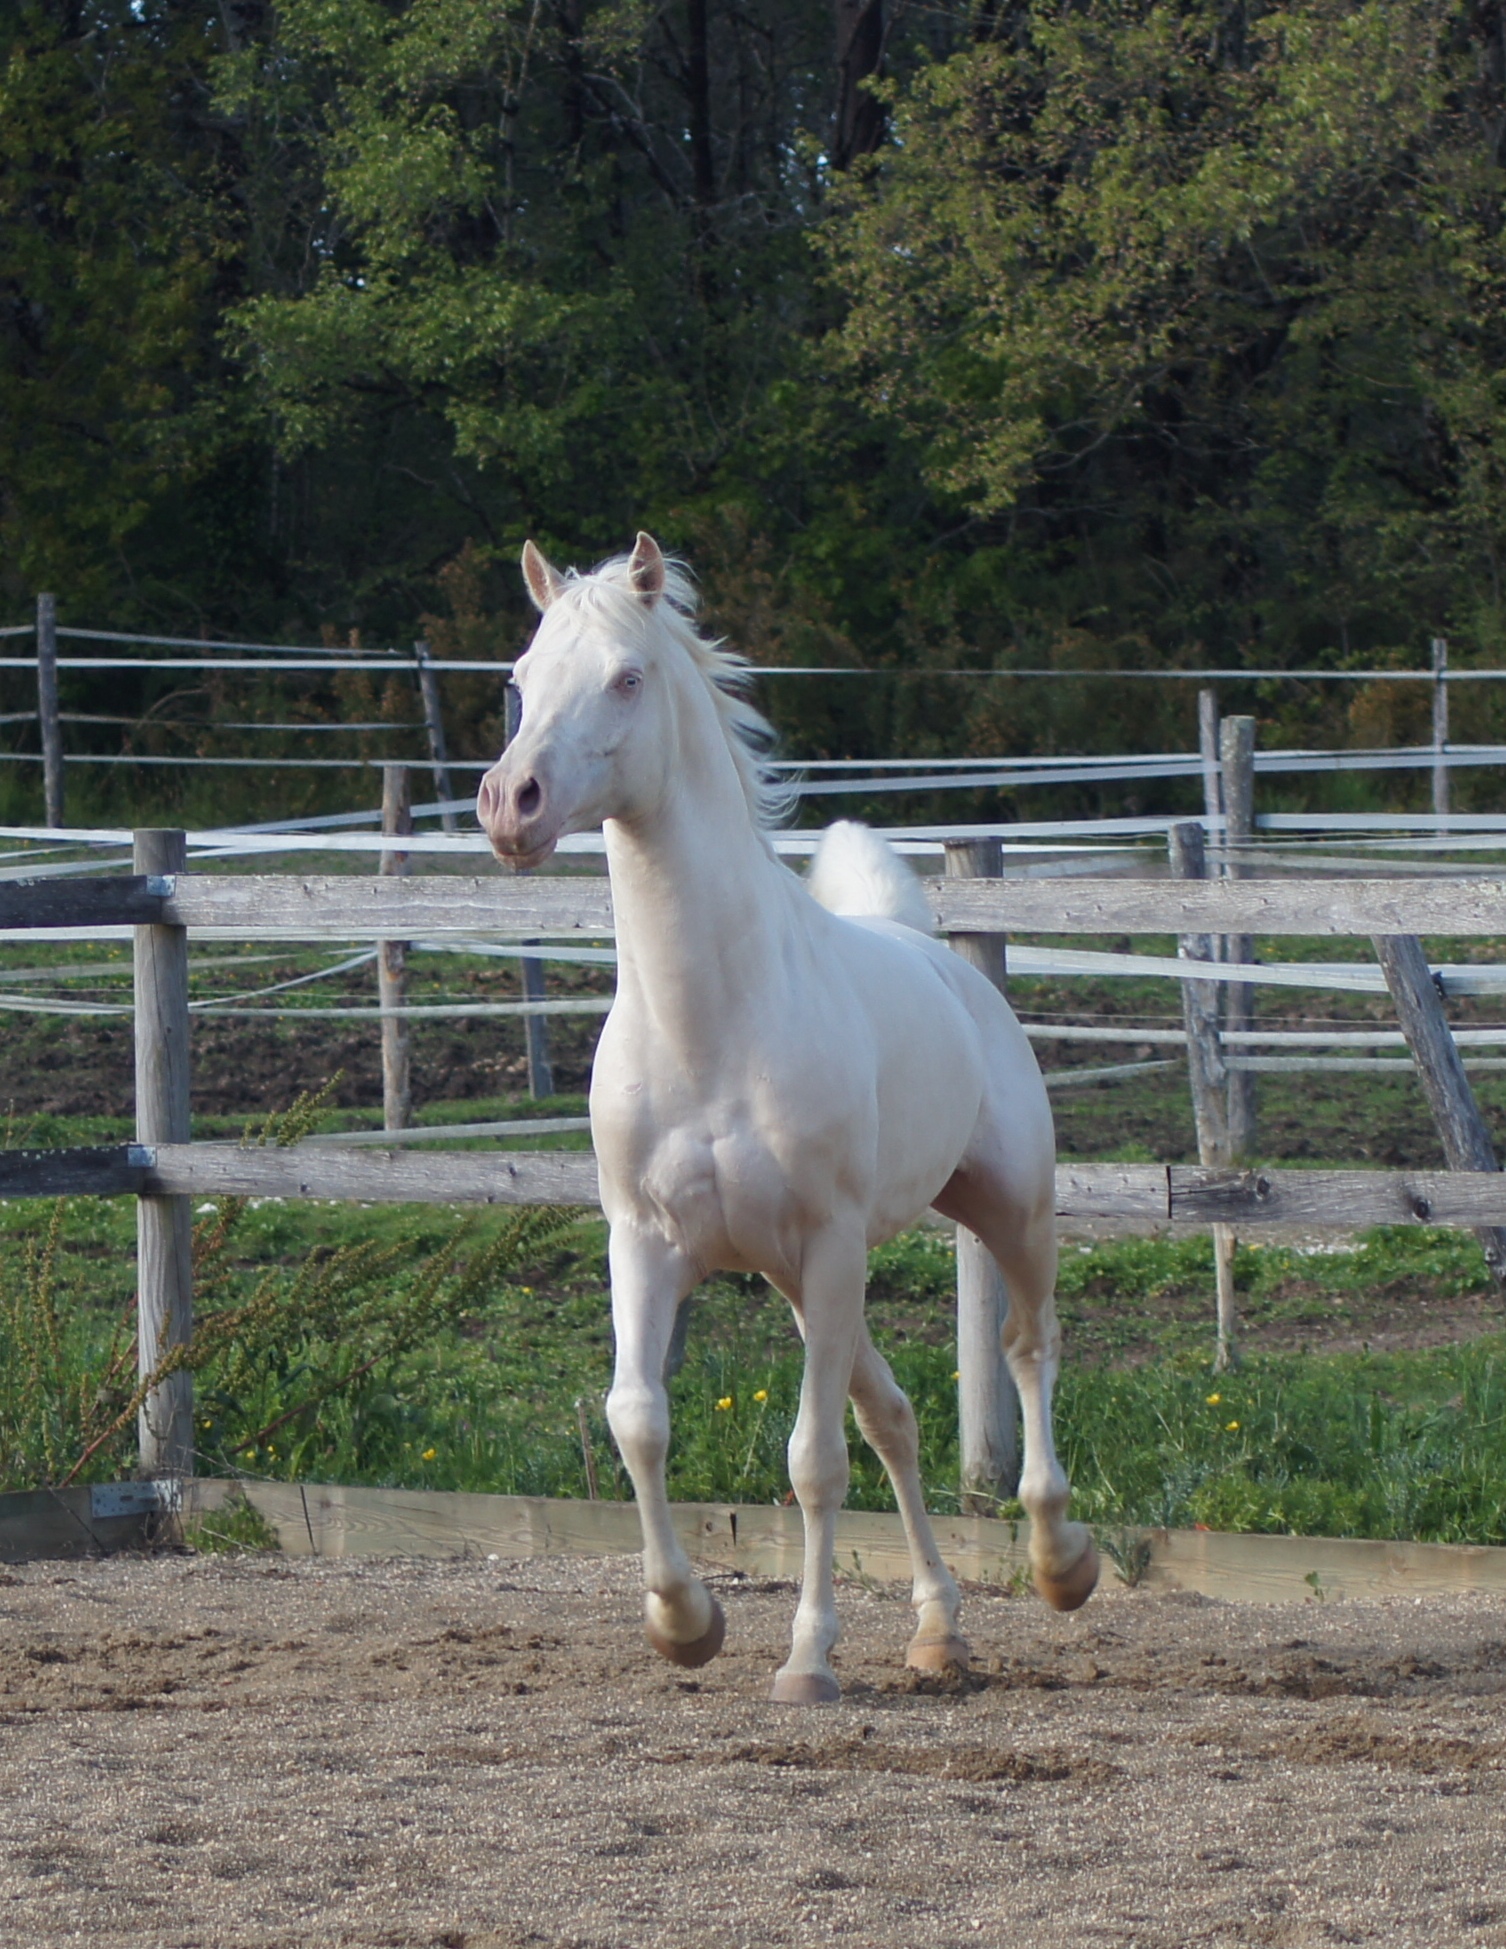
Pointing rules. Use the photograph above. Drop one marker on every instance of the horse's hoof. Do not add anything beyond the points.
(1072, 1590)
(698, 1651)
(804, 1688)
(939, 1655)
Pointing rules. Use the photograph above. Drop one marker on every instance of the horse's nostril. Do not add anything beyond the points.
(530, 797)
(488, 798)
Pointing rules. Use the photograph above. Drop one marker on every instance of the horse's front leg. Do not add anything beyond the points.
(830, 1309)
(649, 1279)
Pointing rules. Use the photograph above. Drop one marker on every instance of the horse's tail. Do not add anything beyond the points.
(858, 874)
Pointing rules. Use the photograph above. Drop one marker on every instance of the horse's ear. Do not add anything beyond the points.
(646, 568)
(544, 581)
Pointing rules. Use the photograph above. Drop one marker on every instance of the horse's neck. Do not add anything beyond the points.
(702, 911)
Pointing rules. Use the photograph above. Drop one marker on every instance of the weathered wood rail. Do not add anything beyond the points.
(354, 907)
(1177, 1194)
(160, 1168)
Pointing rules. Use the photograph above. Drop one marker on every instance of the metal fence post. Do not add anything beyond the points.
(47, 710)
(392, 962)
(988, 1408)
(1207, 744)
(428, 685)
(1208, 1077)
(1440, 726)
(1237, 765)
(164, 1225)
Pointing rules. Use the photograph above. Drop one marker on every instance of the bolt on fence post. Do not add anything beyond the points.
(428, 685)
(1440, 726)
(47, 710)
(164, 1225)
(392, 961)
(535, 1027)
(988, 1408)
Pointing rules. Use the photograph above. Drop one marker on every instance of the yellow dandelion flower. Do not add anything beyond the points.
(1214, 1399)
(724, 1403)
(1230, 1427)
(761, 1394)
(430, 1453)
(956, 1373)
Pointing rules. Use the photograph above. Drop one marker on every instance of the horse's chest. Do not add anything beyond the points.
(738, 1189)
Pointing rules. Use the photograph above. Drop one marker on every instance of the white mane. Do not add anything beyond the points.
(607, 595)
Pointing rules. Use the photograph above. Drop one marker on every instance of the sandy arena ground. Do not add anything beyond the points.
(205, 1753)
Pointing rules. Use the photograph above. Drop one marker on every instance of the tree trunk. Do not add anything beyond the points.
(859, 122)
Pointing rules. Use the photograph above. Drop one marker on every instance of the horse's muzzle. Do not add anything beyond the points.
(516, 816)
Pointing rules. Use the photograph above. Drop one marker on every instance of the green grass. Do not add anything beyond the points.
(1362, 1443)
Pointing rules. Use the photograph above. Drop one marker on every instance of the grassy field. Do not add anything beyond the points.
(356, 1351)
(415, 1346)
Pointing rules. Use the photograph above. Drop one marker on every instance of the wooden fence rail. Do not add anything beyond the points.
(354, 907)
(1179, 1194)
(159, 1168)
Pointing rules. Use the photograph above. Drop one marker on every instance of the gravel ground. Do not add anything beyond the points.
(204, 1753)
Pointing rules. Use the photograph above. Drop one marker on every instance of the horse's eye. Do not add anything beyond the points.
(629, 683)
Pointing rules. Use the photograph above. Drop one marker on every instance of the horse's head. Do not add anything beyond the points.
(592, 741)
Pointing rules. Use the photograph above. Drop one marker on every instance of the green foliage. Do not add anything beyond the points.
(1223, 288)
(289, 1358)
(1153, 333)
(235, 1526)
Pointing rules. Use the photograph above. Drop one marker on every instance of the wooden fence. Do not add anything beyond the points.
(165, 1171)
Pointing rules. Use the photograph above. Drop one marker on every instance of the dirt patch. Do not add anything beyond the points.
(254, 1754)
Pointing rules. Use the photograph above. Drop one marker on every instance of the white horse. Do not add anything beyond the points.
(783, 1083)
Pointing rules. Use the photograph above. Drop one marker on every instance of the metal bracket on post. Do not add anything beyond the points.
(988, 1408)
(164, 1225)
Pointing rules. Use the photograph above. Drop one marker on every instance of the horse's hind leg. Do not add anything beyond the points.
(1022, 1237)
(888, 1425)
(649, 1278)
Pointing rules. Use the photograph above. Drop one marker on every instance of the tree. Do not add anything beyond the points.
(1205, 308)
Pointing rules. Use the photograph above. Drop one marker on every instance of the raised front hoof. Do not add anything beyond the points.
(942, 1655)
(804, 1688)
(1074, 1587)
(698, 1651)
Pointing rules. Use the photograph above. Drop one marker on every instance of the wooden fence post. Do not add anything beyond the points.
(1440, 726)
(164, 1226)
(392, 961)
(988, 1408)
(1209, 1080)
(535, 1027)
(1237, 765)
(47, 710)
(1462, 1129)
(428, 686)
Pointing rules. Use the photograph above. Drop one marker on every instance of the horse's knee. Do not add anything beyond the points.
(638, 1415)
(818, 1465)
